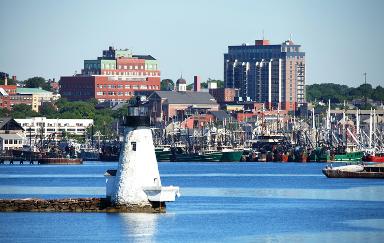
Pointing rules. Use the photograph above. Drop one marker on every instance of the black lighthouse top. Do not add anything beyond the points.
(138, 115)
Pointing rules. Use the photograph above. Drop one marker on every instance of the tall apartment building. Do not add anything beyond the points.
(115, 76)
(270, 74)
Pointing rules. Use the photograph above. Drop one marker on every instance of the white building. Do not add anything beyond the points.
(37, 127)
(11, 134)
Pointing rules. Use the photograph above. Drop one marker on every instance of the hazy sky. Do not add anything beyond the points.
(342, 39)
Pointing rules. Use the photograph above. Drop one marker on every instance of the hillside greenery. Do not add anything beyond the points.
(338, 93)
(63, 109)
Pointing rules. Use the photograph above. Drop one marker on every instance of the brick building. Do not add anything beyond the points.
(223, 95)
(115, 76)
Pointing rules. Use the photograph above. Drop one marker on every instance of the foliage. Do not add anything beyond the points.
(23, 111)
(338, 93)
(167, 85)
(9, 81)
(204, 85)
(37, 82)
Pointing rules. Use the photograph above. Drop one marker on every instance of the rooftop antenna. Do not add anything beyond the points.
(290, 36)
(365, 78)
(263, 34)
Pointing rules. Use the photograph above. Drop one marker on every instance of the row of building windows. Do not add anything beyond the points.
(20, 98)
(127, 86)
(12, 141)
(115, 93)
(40, 124)
(126, 67)
(131, 73)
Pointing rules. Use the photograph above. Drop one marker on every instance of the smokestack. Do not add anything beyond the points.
(196, 83)
(6, 81)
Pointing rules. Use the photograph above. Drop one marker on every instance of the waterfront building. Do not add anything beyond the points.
(270, 74)
(115, 76)
(37, 128)
(11, 134)
(171, 104)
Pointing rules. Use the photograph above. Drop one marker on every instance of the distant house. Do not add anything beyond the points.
(170, 104)
(11, 134)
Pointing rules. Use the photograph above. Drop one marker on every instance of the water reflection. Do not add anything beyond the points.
(54, 190)
(139, 227)
(371, 193)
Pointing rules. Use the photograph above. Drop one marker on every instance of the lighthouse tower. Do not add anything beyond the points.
(137, 179)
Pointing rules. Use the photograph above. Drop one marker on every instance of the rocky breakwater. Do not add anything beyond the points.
(94, 205)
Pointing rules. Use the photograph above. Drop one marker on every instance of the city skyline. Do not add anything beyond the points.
(342, 39)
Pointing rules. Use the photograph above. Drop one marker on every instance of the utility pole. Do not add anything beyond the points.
(365, 89)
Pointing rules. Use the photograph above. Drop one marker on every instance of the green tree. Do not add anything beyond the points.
(37, 82)
(167, 85)
(378, 93)
(49, 110)
(23, 111)
(9, 81)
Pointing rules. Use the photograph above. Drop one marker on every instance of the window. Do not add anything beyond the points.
(127, 86)
(133, 144)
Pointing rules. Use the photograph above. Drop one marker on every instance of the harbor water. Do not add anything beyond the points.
(220, 202)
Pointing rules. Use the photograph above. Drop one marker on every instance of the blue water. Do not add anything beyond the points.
(228, 202)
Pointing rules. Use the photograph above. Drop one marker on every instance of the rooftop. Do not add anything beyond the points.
(32, 91)
(187, 97)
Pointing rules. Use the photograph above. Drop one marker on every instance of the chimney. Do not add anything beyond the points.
(6, 81)
(14, 77)
(196, 83)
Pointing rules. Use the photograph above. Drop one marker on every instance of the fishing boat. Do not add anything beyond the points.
(163, 153)
(348, 157)
(377, 158)
(231, 155)
(355, 171)
(206, 156)
(320, 155)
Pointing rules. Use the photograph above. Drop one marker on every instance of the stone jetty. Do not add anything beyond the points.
(92, 205)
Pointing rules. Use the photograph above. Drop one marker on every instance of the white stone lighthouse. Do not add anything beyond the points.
(137, 179)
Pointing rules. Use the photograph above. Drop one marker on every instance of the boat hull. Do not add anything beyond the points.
(231, 156)
(210, 157)
(373, 158)
(60, 161)
(348, 157)
(331, 173)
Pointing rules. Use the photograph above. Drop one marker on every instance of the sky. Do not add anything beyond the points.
(50, 38)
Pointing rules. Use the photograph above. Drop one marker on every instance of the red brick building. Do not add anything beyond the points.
(9, 97)
(115, 76)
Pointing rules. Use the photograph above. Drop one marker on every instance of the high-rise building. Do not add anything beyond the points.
(270, 74)
(115, 76)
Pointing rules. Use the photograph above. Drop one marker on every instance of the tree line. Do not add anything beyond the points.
(337, 93)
